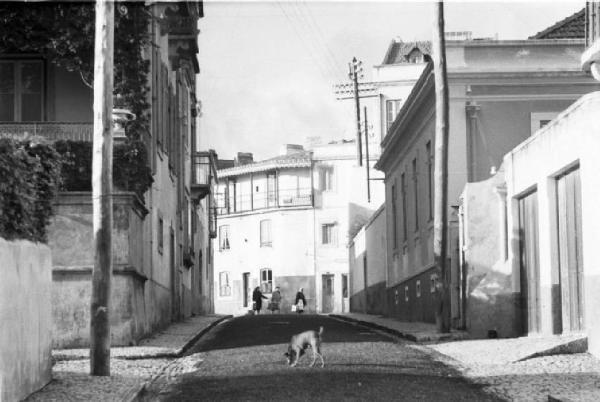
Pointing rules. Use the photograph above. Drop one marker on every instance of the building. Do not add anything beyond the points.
(286, 222)
(500, 92)
(162, 221)
(532, 226)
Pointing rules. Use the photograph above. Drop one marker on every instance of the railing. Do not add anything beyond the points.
(592, 22)
(53, 131)
(294, 197)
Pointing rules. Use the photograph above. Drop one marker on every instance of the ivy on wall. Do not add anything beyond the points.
(63, 32)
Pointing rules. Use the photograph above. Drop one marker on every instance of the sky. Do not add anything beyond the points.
(267, 69)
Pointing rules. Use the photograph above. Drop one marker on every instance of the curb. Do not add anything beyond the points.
(179, 352)
(405, 335)
(136, 393)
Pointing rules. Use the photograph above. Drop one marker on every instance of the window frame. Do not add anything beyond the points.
(268, 280)
(224, 243)
(17, 87)
(393, 106)
(224, 288)
(268, 242)
(331, 229)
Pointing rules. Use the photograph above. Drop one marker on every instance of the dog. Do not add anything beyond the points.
(303, 341)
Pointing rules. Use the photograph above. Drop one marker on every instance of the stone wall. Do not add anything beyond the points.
(25, 333)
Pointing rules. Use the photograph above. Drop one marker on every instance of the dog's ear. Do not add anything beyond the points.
(286, 354)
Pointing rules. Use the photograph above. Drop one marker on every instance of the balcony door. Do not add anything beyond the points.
(271, 190)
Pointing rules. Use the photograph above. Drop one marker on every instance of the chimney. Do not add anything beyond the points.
(244, 158)
(290, 149)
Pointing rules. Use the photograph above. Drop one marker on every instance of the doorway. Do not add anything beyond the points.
(570, 251)
(529, 261)
(328, 295)
(246, 287)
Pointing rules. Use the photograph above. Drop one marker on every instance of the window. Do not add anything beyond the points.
(329, 233)
(406, 293)
(404, 217)
(429, 177)
(418, 288)
(392, 107)
(415, 56)
(224, 284)
(540, 119)
(160, 235)
(394, 215)
(433, 283)
(266, 280)
(224, 237)
(416, 192)
(265, 233)
(326, 178)
(21, 90)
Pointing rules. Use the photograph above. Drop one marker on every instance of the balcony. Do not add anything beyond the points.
(282, 198)
(181, 26)
(52, 131)
(204, 174)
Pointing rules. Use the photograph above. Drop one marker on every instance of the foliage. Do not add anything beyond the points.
(30, 172)
(64, 33)
(130, 166)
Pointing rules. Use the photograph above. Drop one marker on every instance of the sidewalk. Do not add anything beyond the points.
(131, 367)
(553, 368)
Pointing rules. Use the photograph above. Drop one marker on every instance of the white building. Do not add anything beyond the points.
(286, 222)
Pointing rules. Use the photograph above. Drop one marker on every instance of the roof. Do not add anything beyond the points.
(572, 27)
(295, 160)
(398, 51)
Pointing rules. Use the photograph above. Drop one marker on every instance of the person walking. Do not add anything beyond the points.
(257, 297)
(275, 300)
(300, 301)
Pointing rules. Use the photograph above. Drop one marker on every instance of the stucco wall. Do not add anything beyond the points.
(369, 297)
(573, 138)
(71, 242)
(492, 300)
(25, 314)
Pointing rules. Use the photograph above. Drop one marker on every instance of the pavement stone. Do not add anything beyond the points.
(131, 367)
(513, 369)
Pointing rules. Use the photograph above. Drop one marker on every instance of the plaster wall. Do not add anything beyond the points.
(570, 140)
(290, 256)
(26, 333)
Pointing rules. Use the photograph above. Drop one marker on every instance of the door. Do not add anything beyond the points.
(529, 261)
(174, 277)
(345, 303)
(271, 190)
(568, 203)
(246, 287)
(327, 281)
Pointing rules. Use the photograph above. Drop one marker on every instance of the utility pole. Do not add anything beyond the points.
(102, 189)
(355, 71)
(367, 155)
(440, 216)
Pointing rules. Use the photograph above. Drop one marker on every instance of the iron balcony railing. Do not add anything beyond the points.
(204, 168)
(282, 198)
(53, 131)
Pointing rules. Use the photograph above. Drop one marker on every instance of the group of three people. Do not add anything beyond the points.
(257, 297)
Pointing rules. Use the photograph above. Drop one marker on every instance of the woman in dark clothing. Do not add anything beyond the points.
(300, 301)
(257, 297)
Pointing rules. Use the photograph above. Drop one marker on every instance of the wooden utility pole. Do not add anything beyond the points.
(355, 71)
(367, 155)
(102, 189)
(440, 216)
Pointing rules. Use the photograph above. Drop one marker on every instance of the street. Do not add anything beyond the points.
(243, 359)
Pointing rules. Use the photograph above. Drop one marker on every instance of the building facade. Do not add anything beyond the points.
(286, 221)
(160, 235)
(500, 92)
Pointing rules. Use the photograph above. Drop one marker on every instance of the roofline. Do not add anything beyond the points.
(558, 24)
